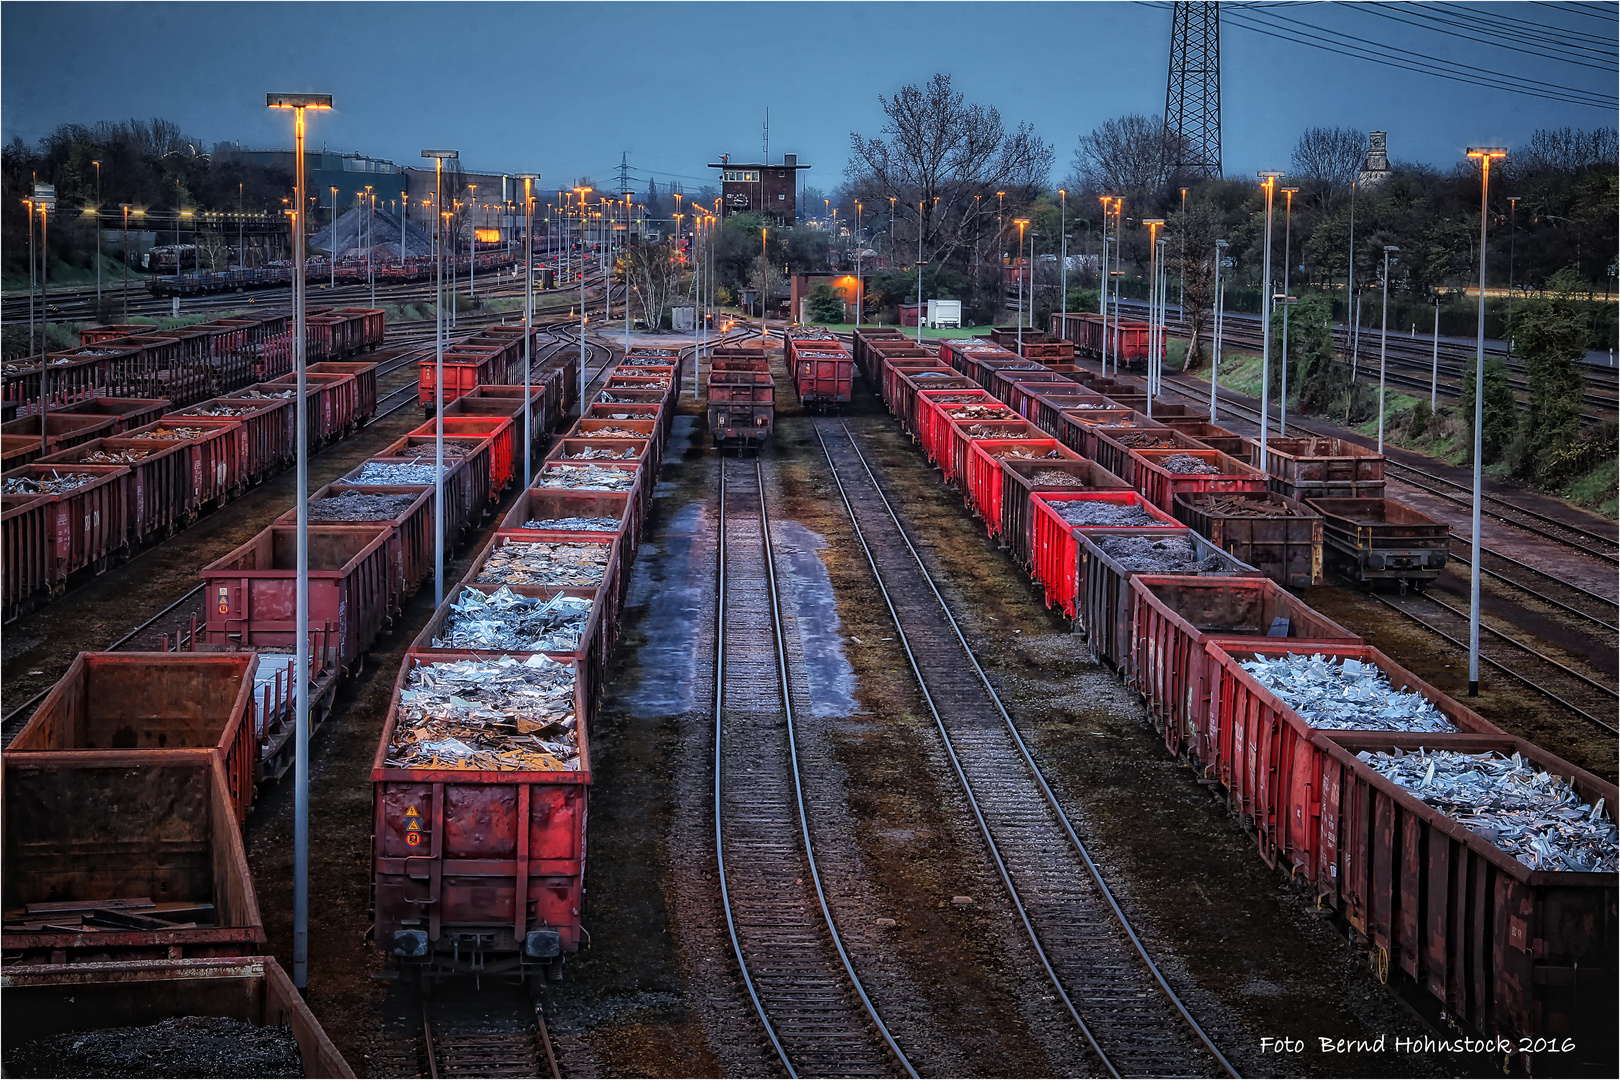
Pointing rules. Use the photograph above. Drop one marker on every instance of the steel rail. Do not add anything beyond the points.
(1028, 759)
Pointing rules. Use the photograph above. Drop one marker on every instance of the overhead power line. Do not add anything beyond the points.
(1466, 29)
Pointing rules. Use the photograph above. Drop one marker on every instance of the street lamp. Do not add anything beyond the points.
(97, 164)
(331, 255)
(764, 279)
(1485, 154)
(1383, 346)
(1269, 183)
(528, 318)
(371, 215)
(1022, 223)
(1119, 272)
(1288, 257)
(1220, 315)
(298, 103)
(1153, 308)
(125, 256)
(1102, 280)
(581, 192)
(438, 157)
(1063, 264)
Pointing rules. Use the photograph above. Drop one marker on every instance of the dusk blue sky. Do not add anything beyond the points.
(565, 87)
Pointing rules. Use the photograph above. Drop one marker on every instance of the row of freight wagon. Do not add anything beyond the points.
(317, 271)
(1327, 748)
(136, 471)
(495, 356)
(184, 365)
(741, 389)
(127, 895)
(483, 771)
(1089, 335)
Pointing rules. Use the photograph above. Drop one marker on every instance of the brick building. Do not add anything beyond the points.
(760, 188)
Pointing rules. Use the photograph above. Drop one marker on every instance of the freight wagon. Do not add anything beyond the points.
(1374, 540)
(742, 399)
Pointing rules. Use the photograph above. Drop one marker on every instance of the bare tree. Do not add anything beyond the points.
(656, 279)
(1128, 155)
(1192, 234)
(1567, 150)
(1327, 160)
(940, 152)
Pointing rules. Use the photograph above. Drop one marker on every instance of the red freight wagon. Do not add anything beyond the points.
(338, 398)
(1161, 486)
(1115, 446)
(365, 384)
(553, 475)
(466, 478)
(127, 413)
(1280, 537)
(62, 432)
(369, 326)
(159, 493)
(1022, 393)
(589, 656)
(1049, 406)
(903, 386)
(558, 504)
(612, 583)
(965, 432)
(101, 831)
(55, 536)
(1105, 606)
(983, 488)
(1021, 478)
(70, 377)
(1269, 756)
(249, 596)
(218, 457)
(1056, 543)
(1321, 468)
(410, 548)
(478, 871)
(153, 701)
(464, 368)
(1176, 620)
(507, 401)
(270, 425)
(591, 426)
(1076, 428)
(1211, 435)
(503, 440)
(933, 427)
(1515, 953)
(576, 450)
(823, 376)
(56, 999)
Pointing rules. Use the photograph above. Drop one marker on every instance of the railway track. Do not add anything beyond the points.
(1122, 1005)
(505, 1039)
(804, 989)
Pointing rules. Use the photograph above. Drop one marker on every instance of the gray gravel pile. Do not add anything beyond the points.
(1346, 694)
(356, 506)
(1056, 478)
(1158, 554)
(1187, 465)
(1090, 512)
(1532, 815)
(575, 524)
(185, 1046)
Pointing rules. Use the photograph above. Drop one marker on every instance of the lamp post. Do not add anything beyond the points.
(1119, 273)
(438, 157)
(1352, 310)
(472, 242)
(1513, 236)
(1383, 346)
(1485, 154)
(45, 204)
(331, 255)
(1153, 306)
(1103, 279)
(1063, 261)
(891, 226)
(298, 103)
(371, 214)
(581, 192)
(97, 164)
(1288, 257)
(528, 319)
(1022, 224)
(1269, 183)
(1434, 371)
(919, 273)
(764, 279)
(125, 256)
(1220, 315)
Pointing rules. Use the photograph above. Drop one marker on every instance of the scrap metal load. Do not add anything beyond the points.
(822, 367)
(1474, 866)
(741, 393)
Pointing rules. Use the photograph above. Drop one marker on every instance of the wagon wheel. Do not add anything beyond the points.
(1172, 737)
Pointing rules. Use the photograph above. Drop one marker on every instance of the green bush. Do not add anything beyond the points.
(826, 305)
(1501, 412)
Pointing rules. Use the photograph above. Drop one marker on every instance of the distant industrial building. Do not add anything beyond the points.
(760, 188)
(325, 170)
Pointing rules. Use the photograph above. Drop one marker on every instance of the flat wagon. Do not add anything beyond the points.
(1373, 540)
(742, 400)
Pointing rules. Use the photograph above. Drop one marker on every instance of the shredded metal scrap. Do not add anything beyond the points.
(114, 457)
(1159, 554)
(54, 484)
(1228, 506)
(1056, 478)
(421, 451)
(614, 432)
(575, 524)
(254, 394)
(219, 410)
(169, 434)
(1146, 440)
(388, 474)
(1093, 512)
(501, 715)
(504, 621)
(589, 477)
(1533, 815)
(600, 453)
(359, 506)
(1028, 455)
(540, 563)
(1328, 692)
(1187, 465)
(985, 431)
(981, 412)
